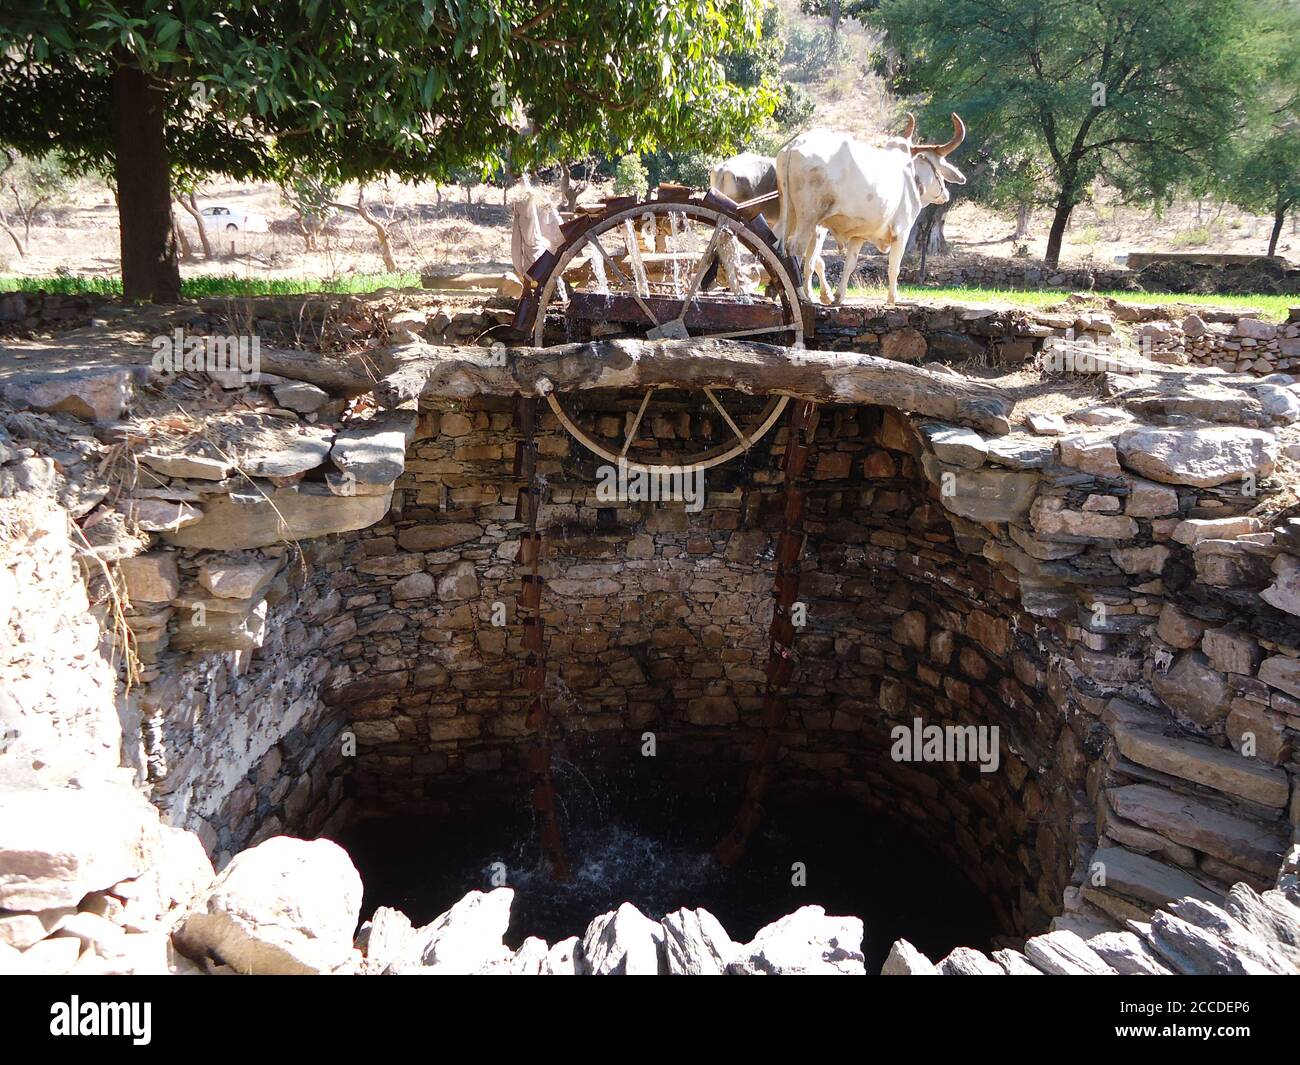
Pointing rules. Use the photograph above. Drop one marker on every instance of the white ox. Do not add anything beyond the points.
(860, 193)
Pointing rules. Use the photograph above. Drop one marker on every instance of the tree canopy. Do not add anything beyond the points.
(1143, 93)
(349, 89)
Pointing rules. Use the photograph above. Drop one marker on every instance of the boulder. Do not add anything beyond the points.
(806, 942)
(99, 394)
(1127, 954)
(966, 961)
(624, 942)
(464, 939)
(287, 906)
(696, 944)
(59, 844)
(1199, 457)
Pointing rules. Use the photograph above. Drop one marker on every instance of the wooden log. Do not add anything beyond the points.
(431, 373)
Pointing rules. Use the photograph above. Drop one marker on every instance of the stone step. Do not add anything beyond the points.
(1186, 820)
(1146, 879)
(1202, 763)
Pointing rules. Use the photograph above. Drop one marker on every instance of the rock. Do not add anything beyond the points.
(288, 514)
(1195, 951)
(696, 944)
(1051, 518)
(982, 495)
(285, 907)
(288, 456)
(300, 397)
(1254, 329)
(374, 451)
(1178, 629)
(1146, 499)
(1194, 691)
(387, 938)
(1127, 954)
(466, 938)
(1202, 763)
(1284, 592)
(906, 344)
(965, 961)
(955, 444)
(1063, 953)
(1281, 672)
(1194, 530)
(414, 586)
(21, 930)
(1019, 452)
(1244, 843)
(50, 957)
(1095, 455)
(804, 942)
(187, 465)
(1144, 878)
(98, 395)
(1046, 424)
(437, 536)
(1135, 560)
(459, 582)
(151, 578)
(1268, 917)
(58, 844)
(1014, 963)
(562, 958)
(159, 515)
(905, 960)
(1200, 457)
(624, 942)
(213, 629)
(1257, 732)
(1231, 652)
(233, 578)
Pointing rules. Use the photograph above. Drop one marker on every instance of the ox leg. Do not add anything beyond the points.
(851, 250)
(819, 266)
(895, 261)
(809, 247)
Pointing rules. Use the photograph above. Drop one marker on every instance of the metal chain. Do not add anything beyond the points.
(780, 665)
(529, 614)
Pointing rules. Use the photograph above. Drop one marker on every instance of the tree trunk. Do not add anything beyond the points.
(1279, 216)
(1064, 205)
(566, 187)
(381, 231)
(1023, 213)
(192, 209)
(149, 268)
(182, 241)
(13, 235)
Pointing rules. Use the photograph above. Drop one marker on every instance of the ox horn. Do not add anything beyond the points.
(958, 135)
(911, 126)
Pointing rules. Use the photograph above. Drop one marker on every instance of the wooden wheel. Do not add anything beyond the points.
(669, 268)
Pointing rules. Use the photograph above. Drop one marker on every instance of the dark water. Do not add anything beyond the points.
(655, 853)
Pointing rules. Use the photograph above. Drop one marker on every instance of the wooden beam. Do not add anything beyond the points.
(431, 373)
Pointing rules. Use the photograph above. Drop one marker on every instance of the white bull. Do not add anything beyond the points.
(535, 228)
(748, 176)
(860, 193)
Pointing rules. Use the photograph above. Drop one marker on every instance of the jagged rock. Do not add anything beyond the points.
(528, 960)
(99, 394)
(905, 960)
(1178, 629)
(1127, 954)
(374, 451)
(696, 944)
(1284, 592)
(214, 629)
(1239, 941)
(151, 578)
(1241, 842)
(1199, 457)
(287, 906)
(21, 930)
(965, 961)
(300, 397)
(385, 939)
(187, 464)
(624, 942)
(228, 578)
(1015, 964)
(1195, 951)
(955, 444)
(1194, 691)
(804, 942)
(1144, 878)
(288, 456)
(286, 514)
(1065, 954)
(982, 495)
(562, 958)
(58, 844)
(1203, 763)
(1269, 917)
(465, 938)
(1019, 452)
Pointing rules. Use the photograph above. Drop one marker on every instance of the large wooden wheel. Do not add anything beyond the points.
(671, 267)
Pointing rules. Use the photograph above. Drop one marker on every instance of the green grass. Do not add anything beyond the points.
(227, 285)
(1273, 308)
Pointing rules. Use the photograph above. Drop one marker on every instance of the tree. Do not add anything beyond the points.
(836, 11)
(1263, 172)
(353, 89)
(1141, 92)
(30, 184)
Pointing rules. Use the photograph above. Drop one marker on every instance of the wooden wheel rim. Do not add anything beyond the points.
(776, 270)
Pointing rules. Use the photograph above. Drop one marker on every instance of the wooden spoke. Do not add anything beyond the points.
(636, 422)
(612, 264)
(728, 419)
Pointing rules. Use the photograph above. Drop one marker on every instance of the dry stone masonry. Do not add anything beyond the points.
(275, 616)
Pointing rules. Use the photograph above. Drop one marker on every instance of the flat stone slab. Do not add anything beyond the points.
(285, 515)
(1143, 878)
(374, 452)
(983, 495)
(1202, 763)
(1199, 457)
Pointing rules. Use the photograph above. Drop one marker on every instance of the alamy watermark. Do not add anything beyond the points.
(178, 352)
(920, 742)
(621, 483)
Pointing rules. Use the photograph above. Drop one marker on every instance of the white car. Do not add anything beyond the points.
(232, 219)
